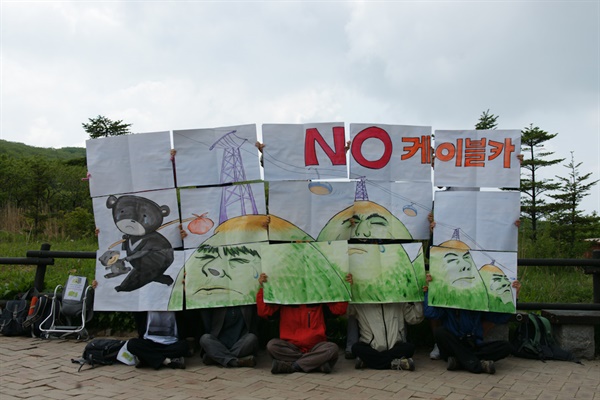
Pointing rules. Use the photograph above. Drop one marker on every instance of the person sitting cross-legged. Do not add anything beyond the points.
(230, 341)
(159, 345)
(382, 327)
(303, 345)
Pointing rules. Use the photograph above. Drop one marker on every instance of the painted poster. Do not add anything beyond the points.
(113, 271)
(148, 218)
(470, 279)
(204, 209)
(309, 205)
(216, 156)
(218, 276)
(390, 152)
(382, 210)
(477, 158)
(129, 163)
(306, 273)
(390, 273)
(304, 151)
(482, 220)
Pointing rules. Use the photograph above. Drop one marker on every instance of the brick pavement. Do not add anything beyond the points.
(41, 369)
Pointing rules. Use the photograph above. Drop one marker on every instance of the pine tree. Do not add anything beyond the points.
(573, 224)
(103, 127)
(533, 206)
(487, 121)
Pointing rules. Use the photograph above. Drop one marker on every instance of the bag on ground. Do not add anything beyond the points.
(533, 339)
(12, 318)
(100, 352)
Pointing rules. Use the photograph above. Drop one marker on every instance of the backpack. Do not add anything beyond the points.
(12, 318)
(39, 309)
(100, 352)
(533, 339)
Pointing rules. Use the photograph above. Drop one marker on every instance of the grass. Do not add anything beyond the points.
(18, 278)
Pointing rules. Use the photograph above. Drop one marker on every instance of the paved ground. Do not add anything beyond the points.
(41, 369)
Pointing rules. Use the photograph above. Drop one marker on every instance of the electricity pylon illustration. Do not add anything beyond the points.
(232, 170)
(360, 193)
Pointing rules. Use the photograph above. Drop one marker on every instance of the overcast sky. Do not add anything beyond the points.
(164, 65)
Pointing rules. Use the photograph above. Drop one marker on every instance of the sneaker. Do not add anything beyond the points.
(177, 363)
(404, 363)
(488, 367)
(452, 364)
(348, 355)
(325, 368)
(281, 367)
(359, 364)
(249, 362)
(435, 353)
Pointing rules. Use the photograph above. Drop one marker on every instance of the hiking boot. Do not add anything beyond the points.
(359, 364)
(488, 367)
(348, 355)
(281, 367)
(435, 353)
(405, 364)
(325, 368)
(177, 363)
(249, 362)
(452, 364)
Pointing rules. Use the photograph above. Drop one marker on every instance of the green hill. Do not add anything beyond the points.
(20, 150)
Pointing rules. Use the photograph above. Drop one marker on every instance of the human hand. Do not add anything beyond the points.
(520, 158)
(262, 278)
(97, 232)
(347, 146)
(94, 284)
(517, 285)
(182, 232)
(259, 146)
(518, 223)
(350, 279)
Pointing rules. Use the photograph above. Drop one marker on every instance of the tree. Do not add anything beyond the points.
(487, 121)
(534, 207)
(574, 225)
(103, 127)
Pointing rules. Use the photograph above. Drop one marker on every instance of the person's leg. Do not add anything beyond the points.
(285, 355)
(216, 350)
(351, 336)
(371, 357)
(282, 350)
(320, 354)
(246, 346)
(495, 350)
(451, 346)
(435, 352)
(148, 352)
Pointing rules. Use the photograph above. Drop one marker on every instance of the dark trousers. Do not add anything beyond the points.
(469, 355)
(382, 359)
(153, 354)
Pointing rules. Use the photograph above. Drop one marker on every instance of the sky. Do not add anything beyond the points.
(168, 65)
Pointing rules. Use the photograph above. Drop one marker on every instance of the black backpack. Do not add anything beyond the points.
(533, 339)
(12, 318)
(100, 352)
(39, 311)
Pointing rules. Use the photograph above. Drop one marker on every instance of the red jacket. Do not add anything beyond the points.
(303, 325)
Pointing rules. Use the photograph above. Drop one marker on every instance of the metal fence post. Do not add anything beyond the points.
(596, 278)
(40, 272)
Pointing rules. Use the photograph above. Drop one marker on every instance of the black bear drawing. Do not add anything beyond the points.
(148, 252)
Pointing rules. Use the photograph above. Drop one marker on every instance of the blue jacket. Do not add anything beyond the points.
(463, 322)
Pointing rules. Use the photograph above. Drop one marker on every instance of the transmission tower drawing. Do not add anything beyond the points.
(232, 170)
(361, 190)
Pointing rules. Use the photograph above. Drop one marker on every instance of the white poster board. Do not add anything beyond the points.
(477, 158)
(129, 163)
